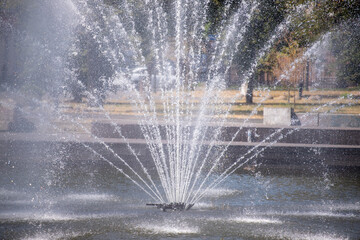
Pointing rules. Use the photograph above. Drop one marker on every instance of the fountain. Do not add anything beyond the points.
(178, 150)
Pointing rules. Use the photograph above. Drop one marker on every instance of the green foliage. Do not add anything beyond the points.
(320, 17)
(214, 15)
(11, 4)
(270, 13)
(267, 63)
(91, 67)
(317, 18)
(346, 49)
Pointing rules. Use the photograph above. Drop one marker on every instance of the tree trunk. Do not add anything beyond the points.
(4, 68)
(249, 92)
(307, 75)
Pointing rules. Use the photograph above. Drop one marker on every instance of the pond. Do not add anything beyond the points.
(60, 200)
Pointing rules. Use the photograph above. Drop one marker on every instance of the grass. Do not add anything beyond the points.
(318, 101)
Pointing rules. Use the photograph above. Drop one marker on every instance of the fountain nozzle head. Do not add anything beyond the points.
(171, 206)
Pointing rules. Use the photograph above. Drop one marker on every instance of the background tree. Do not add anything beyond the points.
(269, 15)
(91, 68)
(10, 19)
(34, 53)
(346, 48)
(284, 63)
(307, 27)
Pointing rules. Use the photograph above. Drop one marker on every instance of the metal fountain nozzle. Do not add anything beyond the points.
(171, 206)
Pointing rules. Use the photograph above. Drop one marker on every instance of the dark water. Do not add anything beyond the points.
(57, 200)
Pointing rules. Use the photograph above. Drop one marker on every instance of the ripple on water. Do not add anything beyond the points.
(304, 236)
(90, 197)
(203, 205)
(52, 235)
(31, 216)
(167, 228)
(220, 192)
(346, 207)
(247, 219)
(327, 214)
(54, 216)
(255, 220)
(9, 193)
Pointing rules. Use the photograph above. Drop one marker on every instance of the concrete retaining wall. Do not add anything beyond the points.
(330, 120)
(269, 158)
(332, 136)
(277, 116)
(287, 117)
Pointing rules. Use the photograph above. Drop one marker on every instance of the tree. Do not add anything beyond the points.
(10, 12)
(91, 68)
(346, 48)
(36, 43)
(285, 63)
(308, 25)
(269, 15)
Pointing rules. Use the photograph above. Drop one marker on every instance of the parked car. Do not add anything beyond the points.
(138, 75)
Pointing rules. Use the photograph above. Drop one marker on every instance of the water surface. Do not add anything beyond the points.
(60, 200)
